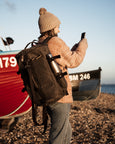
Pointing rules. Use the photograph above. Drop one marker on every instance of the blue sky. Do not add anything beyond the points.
(19, 20)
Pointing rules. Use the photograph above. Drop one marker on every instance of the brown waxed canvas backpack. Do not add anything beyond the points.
(40, 82)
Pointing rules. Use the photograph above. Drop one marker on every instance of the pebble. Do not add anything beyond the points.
(93, 122)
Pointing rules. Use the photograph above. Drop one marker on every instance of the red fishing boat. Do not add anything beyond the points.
(13, 102)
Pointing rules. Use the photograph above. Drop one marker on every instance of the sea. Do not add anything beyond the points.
(108, 88)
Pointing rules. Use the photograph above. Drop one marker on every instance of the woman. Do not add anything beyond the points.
(60, 132)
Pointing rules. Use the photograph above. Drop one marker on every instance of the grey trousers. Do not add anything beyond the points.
(60, 132)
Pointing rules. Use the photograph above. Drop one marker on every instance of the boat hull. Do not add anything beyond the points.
(86, 85)
(13, 102)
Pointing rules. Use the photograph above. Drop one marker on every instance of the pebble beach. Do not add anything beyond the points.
(93, 122)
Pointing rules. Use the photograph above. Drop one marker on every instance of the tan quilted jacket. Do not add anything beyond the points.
(69, 59)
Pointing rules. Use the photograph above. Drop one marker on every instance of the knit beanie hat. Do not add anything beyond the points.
(47, 20)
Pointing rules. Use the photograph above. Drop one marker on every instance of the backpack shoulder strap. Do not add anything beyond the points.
(46, 40)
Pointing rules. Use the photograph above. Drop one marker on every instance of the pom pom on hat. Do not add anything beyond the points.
(42, 11)
(47, 21)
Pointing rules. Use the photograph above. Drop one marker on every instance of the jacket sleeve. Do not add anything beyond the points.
(69, 59)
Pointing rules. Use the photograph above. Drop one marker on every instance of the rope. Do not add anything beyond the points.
(7, 116)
